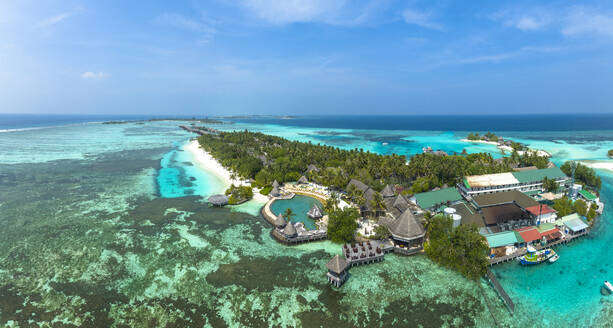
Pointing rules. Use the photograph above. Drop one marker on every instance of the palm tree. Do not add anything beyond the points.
(377, 203)
(331, 203)
(288, 214)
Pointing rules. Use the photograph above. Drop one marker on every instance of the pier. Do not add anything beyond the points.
(198, 130)
(501, 292)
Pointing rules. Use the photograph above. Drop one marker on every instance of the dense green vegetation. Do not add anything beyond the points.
(583, 174)
(342, 224)
(462, 249)
(565, 206)
(487, 137)
(266, 158)
(550, 185)
(266, 190)
(239, 194)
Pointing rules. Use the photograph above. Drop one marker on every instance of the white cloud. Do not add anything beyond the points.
(94, 75)
(508, 55)
(586, 21)
(57, 18)
(524, 19)
(295, 11)
(422, 19)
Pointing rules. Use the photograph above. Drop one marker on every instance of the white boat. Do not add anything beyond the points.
(554, 258)
(608, 286)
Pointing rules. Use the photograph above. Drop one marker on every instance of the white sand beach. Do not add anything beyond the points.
(603, 165)
(480, 141)
(206, 162)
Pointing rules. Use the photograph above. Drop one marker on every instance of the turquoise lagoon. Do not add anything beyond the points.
(299, 205)
(104, 225)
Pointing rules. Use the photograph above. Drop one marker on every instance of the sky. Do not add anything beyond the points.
(221, 57)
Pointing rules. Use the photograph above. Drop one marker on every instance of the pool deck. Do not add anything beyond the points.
(303, 234)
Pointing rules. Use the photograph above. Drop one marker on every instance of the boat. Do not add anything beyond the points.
(608, 286)
(535, 257)
(554, 258)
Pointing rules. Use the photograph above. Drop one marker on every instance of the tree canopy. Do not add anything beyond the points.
(584, 174)
(342, 224)
(462, 248)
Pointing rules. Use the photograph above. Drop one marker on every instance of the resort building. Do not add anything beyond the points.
(527, 180)
(366, 192)
(572, 224)
(387, 192)
(504, 243)
(407, 233)
(337, 270)
(542, 213)
(530, 235)
(280, 221)
(275, 191)
(432, 200)
(505, 211)
(397, 205)
(303, 180)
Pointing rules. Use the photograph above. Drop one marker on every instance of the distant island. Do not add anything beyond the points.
(193, 119)
(505, 145)
(610, 153)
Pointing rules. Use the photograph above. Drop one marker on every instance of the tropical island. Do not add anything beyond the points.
(505, 145)
(465, 211)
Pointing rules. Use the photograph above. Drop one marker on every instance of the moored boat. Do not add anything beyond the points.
(554, 258)
(608, 286)
(535, 257)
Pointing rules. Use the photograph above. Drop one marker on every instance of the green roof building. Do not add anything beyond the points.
(506, 238)
(430, 199)
(587, 195)
(538, 175)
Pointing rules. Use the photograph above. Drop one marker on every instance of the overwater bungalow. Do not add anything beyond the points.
(315, 212)
(407, 233)
(218, 200)
(280, 221)
(337, 271)
(290, 231)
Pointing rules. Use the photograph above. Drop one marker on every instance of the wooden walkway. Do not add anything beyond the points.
(501, 292)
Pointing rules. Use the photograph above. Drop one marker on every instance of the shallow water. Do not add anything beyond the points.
(86, 240)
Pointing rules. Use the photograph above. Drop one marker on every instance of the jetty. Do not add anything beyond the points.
(501, 292)
(199, 130)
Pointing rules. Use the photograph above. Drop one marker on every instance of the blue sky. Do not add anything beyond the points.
(305, 57)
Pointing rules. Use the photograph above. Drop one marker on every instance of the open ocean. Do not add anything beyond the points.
(105, 225)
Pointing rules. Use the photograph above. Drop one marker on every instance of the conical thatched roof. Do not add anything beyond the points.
(337, 264)
(315, 212)
(280, 221)
(275, 192)
(275, 184)
(290, 230)
(401, 203)
(358, 184)
(406, 227)
(218, 200)
(312, 168)
(303, 180)
(387, 191)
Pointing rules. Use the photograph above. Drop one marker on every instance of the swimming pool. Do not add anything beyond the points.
(300, 205)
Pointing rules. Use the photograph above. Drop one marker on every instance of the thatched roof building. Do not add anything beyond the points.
(290, 230)
(280, 221)
(337, 264)
(387, 191)
(312, 168)
(406, 227)
(358, 184)
(303, 180)
(218, 200)
(315, 212)
(275, 192)
(275, 184)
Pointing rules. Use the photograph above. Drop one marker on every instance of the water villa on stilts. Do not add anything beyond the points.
(337, 270)
(315, 212)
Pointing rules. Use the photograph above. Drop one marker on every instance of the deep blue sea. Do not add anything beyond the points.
(106, 224)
